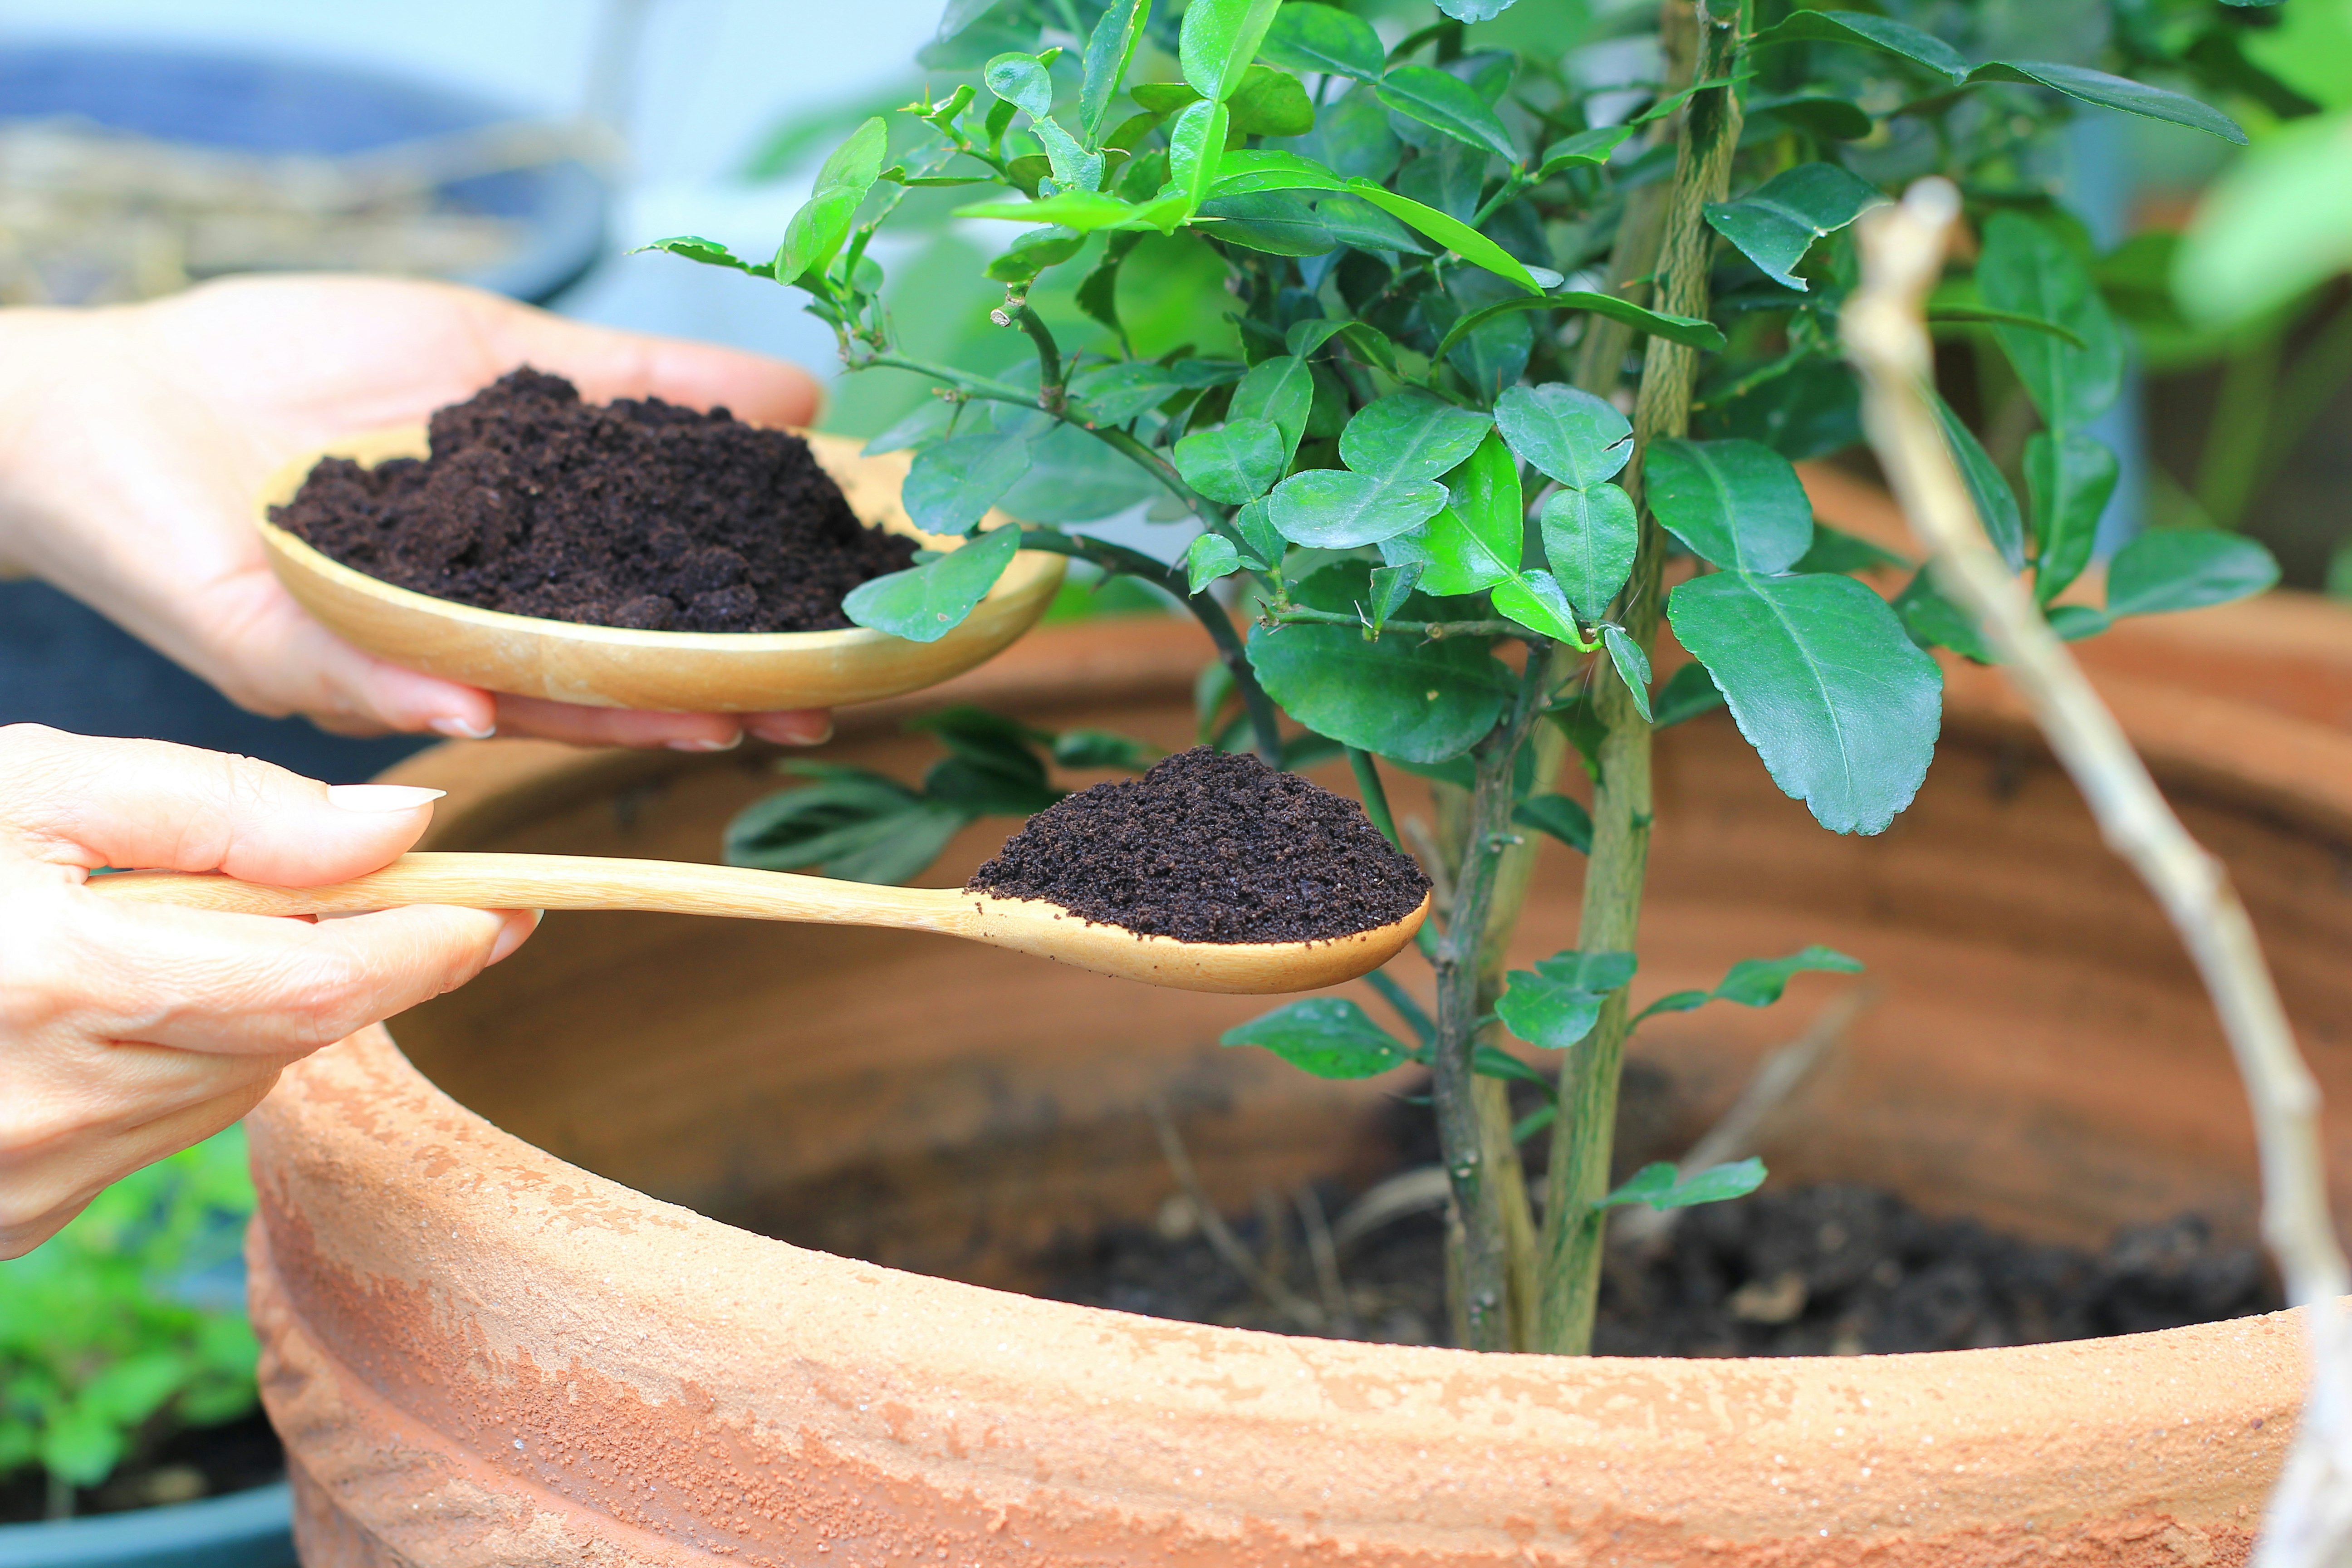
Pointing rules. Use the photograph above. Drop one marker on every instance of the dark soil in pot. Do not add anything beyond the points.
(201, 1462)
(635, 514)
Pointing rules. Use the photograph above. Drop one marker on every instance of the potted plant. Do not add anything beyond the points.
(126, 1380)
(1459, 527)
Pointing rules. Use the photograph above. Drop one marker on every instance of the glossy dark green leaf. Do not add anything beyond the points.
(1330, 508)
(2071, 477)
(1776, 223)
(1687, 693)
(1196, 147)
(1352, 221)
(1390, 584)
(1022, 81)
(1535, 601)
(1329, 1036)
(1247, 171)
(2185, 569)
(1834, 549)
(1110, 48)
(1352, 136)
(1934, 621)
(2115, 92)
(1218, 41)
(1279, 391)
(1253, 526)
(1894, 38)
(1760, 982)
(1824, 116)
(1736, 503)
(1840, 704)
(952, 485)
(1410, 435)
(1114, 393)
(815, 235)
(709, 252)
(1661, 1186)
(1548, 1013)
(1475, 542)
(1631, 664)
(1074, 477)
(1565, 433)
(1588, 538)
(1210, 557)
(1456, 237)
(1986, 316)
(1279, 223)
(1327, 39)
(1565, 819)
(836, 814)
(926, 601)
(1586, 149)
(1239, 462)
(1995, 502)
(1445, 102)
(1404, 698)
(1271, 103)
(2026, 269)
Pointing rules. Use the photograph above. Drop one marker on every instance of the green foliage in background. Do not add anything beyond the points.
(108, 1337)
(1448, 328)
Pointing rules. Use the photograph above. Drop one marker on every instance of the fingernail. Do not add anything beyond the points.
(511, 936)
(728, 744)
(800, 735)
(381, 797)
(458, 730)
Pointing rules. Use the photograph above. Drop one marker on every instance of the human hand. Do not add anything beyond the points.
(133, 440)
(130, 1030)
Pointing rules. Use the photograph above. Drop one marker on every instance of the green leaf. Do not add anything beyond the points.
(1546, 1012)
(1996, 503)
(1492, 1061)
(1477, 540)
(1390, 584)
(1822, 680)
(1986, 316)
(1271, 103)
(1447, 103)
(1775, 224)
(1474, 11)
(1566, 433)
(952, 485)
(1327, 39)
(1736, 503)
(709, 252)
(2070, 478)
(2113, 92)
(1074, 477)
(1454, 234)
(1247, 171)
(1565, 819)
(1936, 621)
(1410, 435)
(2185, 569)
(2276, 224)
(1353, 137)
(1686, 330)
(1632, 667)
(926, 601)
(1352, 221)
(815, 235)
(1688, 692)
(1254, 526)
(1085, 211)
(1211, 556)
(1329, 1036)
(1759, 982)
(1588, 538)
(1031, 253)
(1196, 144)
(1114, 393)
(1280, 391)
(1416, 701)
(1110, 49)
(1825, 117)
(1834, 549)
(1022, 81)
(2026, 269)
(1586, 149)
(1218, 40)
(1884, 33)
(1535, 600)
(1279, 223)
(1235, 463)
(1662, 1187)
(1330, 508)
(1101, 749)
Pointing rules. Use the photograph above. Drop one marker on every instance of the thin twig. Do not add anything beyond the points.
(1433, 861)
(2309, 1523)
(1227, 1245)
(1408, 1192)
(1325, 1254)
(1737, 1132)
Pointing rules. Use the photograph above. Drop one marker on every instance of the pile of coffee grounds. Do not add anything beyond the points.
(1821, 1270)
(1211, 846)
(639, 514)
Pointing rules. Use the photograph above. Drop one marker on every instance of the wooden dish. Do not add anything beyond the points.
(611, 666)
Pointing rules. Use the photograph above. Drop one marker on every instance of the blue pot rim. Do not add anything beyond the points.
(230, 1531)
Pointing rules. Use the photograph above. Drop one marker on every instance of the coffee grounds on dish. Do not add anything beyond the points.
(635, 514)
(1211, 846)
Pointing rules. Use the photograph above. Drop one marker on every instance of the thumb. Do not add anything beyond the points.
(78, 801)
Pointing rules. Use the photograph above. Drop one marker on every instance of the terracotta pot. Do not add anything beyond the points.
(509, 1317)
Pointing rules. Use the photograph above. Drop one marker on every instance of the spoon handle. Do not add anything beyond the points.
(559, 882)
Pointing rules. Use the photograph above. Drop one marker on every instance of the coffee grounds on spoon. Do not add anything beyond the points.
(636, 514)
(1211, 846)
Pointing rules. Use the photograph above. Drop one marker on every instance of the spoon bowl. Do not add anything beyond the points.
(590, 882)
(612, 666)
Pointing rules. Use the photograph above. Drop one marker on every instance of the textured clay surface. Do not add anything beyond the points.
(636, 514)
(1211, 846)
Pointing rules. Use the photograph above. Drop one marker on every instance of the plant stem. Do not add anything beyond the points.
(1574, 1230)
(2229, 468)
(1375, 794)
(1432, 630)
(1476, 1182)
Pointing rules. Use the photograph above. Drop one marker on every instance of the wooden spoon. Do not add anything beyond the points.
(589, 882)
(680, 672)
